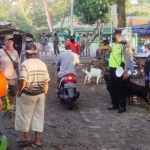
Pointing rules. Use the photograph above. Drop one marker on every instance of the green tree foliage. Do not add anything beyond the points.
(145, 3)
(59, 9)
(4, 9)
(36, 14)
(90, 11)
(30, 14)
(35, 11)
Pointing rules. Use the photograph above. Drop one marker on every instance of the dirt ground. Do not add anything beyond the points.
(90, 126)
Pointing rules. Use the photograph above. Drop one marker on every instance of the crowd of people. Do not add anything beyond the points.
(80, 45)
(28, 79)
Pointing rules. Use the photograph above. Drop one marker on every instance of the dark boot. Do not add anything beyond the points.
(112, 107)
(121, 110)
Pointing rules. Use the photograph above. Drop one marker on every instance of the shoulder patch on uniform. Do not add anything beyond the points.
(118, 46)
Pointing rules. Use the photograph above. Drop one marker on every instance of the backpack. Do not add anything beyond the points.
(3, 142)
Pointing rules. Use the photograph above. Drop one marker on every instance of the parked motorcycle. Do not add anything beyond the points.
(67, 90)
(137, 70)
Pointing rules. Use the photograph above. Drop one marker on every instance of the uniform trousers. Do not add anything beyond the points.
(118, 90)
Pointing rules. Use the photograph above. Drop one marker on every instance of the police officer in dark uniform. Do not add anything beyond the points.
(147, 73)
(119, 56)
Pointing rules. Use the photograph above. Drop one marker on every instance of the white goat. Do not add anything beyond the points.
(93, 73)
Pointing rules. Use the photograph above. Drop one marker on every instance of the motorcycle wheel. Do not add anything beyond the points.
(136, 74)
(70, 103)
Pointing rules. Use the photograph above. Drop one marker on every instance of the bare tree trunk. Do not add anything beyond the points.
(121, 14)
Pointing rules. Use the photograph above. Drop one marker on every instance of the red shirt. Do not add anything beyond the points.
(75, 47)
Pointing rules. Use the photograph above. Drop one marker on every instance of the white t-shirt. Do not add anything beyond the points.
(6, 64)
(67, 60)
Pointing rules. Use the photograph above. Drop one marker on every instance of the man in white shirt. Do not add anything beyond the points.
(67, 61)
(7, 66)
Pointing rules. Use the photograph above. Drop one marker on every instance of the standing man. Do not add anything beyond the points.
(119, 56)
(78, 38)
(8, 68)
(74, 46)
(44, 44)
(29, 39)
(30, 103)
(88, 44)
(55, 44)
(147, 73)
(82, 45)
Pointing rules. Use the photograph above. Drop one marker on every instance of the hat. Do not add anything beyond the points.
(9, 37)
(117, 31)
(31, 48)
(29, 35)
(67, 45)
(31, 51)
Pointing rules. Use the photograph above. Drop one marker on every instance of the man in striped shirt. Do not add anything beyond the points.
(30, 103)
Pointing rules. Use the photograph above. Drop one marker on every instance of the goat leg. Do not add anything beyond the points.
(89, 78)
(85, 79)
(97, 79)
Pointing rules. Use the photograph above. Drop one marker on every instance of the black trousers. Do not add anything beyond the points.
(118, 90)
(56, 49)
(147, 87)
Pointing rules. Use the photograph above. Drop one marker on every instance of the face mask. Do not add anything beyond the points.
(72, 40)
(28, 41)
(114, 39)
(123, 43)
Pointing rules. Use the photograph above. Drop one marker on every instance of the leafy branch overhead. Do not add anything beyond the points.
(90, 11)
(30, 14)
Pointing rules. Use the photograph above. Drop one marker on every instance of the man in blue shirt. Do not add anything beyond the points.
(78, 38)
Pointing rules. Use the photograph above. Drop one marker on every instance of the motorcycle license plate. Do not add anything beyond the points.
(70, 85)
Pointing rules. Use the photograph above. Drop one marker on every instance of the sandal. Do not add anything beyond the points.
(34, 145)
(9, 127)
(20, 140)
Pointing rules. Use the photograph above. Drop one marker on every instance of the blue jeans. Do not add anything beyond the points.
(82, 51)
(97, 52)
(131, 66)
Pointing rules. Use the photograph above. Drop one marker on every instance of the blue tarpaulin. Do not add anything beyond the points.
(141, 29)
